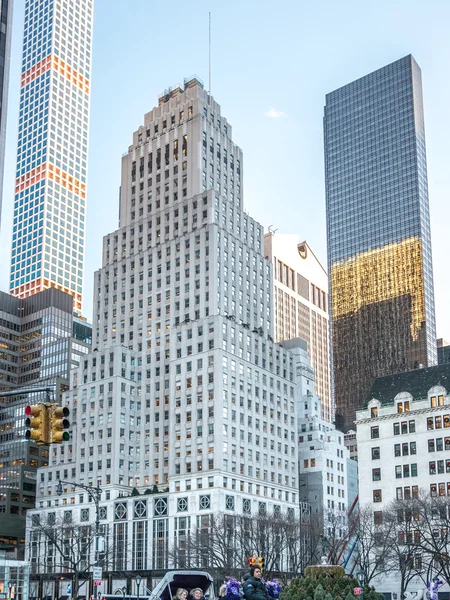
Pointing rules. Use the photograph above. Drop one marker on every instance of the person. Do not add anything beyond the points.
(181, 594)
(223, 590)
(197, 594)
(253, 587)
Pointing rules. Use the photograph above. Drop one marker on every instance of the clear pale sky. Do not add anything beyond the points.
(272, 64)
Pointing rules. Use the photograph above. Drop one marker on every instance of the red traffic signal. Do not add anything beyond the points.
(38, 424)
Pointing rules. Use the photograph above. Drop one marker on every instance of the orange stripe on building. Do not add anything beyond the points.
(38, 285)
(31, 177)
(36, 70)
(68, 181)
(60, 66)
(72, 75)
(55, 174)
(25, 290)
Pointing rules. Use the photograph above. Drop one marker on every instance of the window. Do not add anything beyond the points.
(377, 497)
(160, 507)
(182, 504)
(398, 472)
(431, 446)
(375, 432)
(376, 474)
(396, 428)
(430, 423)
(246, 506)
(205, 502)
(437, 401)
(403, 407)
(412, 426)
(229, 502)
(397, 450)
(375, 453)
(414, 469)
(378, 517)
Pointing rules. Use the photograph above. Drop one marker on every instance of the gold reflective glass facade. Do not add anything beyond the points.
(377, 291)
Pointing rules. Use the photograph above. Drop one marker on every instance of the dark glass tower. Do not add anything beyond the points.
(378, 232)
(6, 22)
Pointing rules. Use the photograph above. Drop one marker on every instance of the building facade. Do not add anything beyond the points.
(323, 460)
(443, 351)
(300, 296)
(51, 173)
(378, 232)
(184, 395)
(40, 341)
(403, 437)
(6, 20)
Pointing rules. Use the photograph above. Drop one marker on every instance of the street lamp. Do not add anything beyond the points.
(360, 575)
(138, 584)
(95, 493)
(124, 591)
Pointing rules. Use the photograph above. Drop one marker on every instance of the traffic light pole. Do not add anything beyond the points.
(30, 390)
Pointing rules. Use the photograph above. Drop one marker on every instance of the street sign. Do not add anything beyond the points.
(69, 588)
(357, 591)
(97, 573)
(97, 582)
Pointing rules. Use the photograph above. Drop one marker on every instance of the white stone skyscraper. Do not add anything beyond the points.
(184, 389)
(300, 296)
(51, 172)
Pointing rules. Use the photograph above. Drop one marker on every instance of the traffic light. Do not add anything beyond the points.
(260, 562)
(38, 424)
(59, 424)
(252, 562)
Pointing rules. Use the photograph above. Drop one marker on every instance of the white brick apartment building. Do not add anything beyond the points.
(403, 438)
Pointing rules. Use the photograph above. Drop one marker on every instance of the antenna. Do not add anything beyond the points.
(209, 84)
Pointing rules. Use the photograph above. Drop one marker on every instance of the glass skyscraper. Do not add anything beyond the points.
(6, 18)
(51, 173)
(378, 232)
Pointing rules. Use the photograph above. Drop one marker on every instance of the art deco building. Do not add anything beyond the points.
(51, 172)
(6, 21)
(184, 397)
(300, 296)
(378, 231)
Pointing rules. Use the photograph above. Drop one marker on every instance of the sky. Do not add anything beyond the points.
(272, 64)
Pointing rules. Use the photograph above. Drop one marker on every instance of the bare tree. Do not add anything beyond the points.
(335, 536)
(431, 519)
(400, 521)
(223, 543)
(374, 539)
(58, 545)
